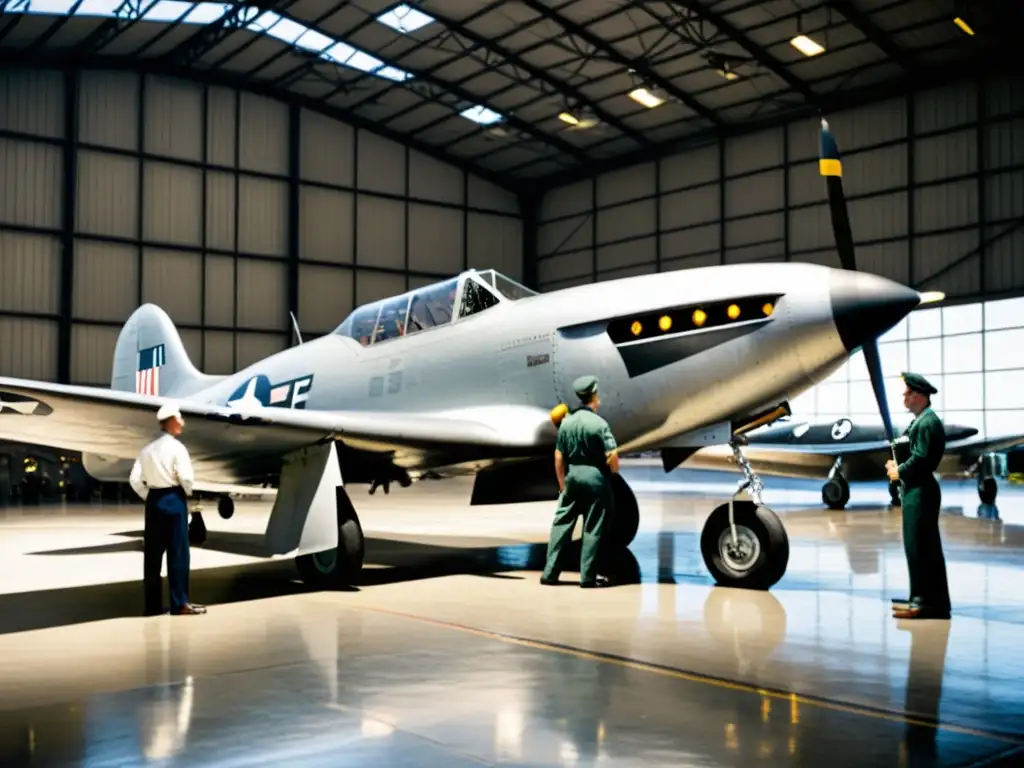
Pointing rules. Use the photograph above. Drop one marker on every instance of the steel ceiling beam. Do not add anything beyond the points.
(539, 74)
(760, 55)
(863, 24)
(639, 67)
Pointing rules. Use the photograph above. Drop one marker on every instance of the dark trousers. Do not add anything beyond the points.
(166, 531)
(923, 547)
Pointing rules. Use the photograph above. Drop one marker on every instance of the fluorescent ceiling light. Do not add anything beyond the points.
(646, 98)
(727, 74)
(963, 26)
(806, 46)
(565, 117)
(404, 19)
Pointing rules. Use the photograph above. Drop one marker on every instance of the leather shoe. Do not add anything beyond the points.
(190, 609)
(597, 583)
(549, 581)
(919, 612)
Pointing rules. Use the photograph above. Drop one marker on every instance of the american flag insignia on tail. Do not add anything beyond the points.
(147, 375)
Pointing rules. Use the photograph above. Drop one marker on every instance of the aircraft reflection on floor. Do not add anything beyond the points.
(324, 684)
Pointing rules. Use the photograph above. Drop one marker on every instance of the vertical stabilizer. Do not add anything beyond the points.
(150, 358)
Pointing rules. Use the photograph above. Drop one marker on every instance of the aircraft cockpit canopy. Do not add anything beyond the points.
(433, 305)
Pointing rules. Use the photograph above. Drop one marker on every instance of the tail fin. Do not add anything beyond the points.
(150, 358)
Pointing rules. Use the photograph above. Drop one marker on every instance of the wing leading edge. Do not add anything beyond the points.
(230, 442)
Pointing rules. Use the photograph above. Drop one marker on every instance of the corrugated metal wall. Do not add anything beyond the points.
(935, 183)
(181, 196)
(934, 180)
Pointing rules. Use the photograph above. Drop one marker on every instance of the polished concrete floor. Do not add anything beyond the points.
(450, 653)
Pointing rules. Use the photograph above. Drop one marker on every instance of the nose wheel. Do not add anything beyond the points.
(744, 543)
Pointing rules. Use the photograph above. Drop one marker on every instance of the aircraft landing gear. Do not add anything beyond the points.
(835, 493)
(987, 490)
(987, 470)
(338, 567)
(744, 543)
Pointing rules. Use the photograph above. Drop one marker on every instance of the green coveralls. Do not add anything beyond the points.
(922, 498)
(584, 439)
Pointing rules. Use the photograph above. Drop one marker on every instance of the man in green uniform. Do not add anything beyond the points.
(585, 456)
(922, 498)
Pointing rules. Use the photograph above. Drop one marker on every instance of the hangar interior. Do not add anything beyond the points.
(240, 163)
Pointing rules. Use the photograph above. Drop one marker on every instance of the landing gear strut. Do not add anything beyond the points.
(835, 493)
(744, 543)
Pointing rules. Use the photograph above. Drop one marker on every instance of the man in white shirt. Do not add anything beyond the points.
(163, 478)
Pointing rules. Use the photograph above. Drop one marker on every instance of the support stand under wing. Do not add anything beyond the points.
(304, 519)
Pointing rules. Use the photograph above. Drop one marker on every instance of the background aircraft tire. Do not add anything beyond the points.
(987, 490)
(835, 493)
(337, 567)
(225, 507)
(626, 520)
(761, 558)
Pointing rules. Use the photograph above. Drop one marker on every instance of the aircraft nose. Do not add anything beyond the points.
(864, 306)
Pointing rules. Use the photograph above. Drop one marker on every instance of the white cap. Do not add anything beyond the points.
(167, 412)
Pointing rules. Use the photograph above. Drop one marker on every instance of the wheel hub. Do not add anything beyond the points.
(741, 554)
(325, 561)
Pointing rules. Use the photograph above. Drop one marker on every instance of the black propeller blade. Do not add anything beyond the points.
(831, 167)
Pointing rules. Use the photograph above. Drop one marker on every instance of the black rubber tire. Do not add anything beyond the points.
(340, 567)
(772, 559)
(835, 493)
(894, 495)
(626, 520)
(987, 490)
(226, 507)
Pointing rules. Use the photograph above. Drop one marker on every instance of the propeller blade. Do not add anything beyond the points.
(831, 167)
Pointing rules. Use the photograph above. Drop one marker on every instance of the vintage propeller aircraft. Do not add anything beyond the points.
(462, 376)
(844, 451)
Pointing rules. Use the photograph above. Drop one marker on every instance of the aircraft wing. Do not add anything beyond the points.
(247, 442)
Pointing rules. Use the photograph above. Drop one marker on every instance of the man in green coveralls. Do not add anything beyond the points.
(922, 498)
(585, 456)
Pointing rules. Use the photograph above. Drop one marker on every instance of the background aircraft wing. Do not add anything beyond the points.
(976, 446)
(117, 424)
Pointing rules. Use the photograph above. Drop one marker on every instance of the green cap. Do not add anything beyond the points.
(918, 383)
(584, 386)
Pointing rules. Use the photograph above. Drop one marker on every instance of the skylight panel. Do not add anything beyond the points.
(254, 18)
(43, 6)
(98, 8)
(313, 41)
(339, 53)
(365, 62)
(167, 10)
(264, 22)
(206, 13)
(404, 19)
(481, 114)
(287, 31)
(393, 73)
